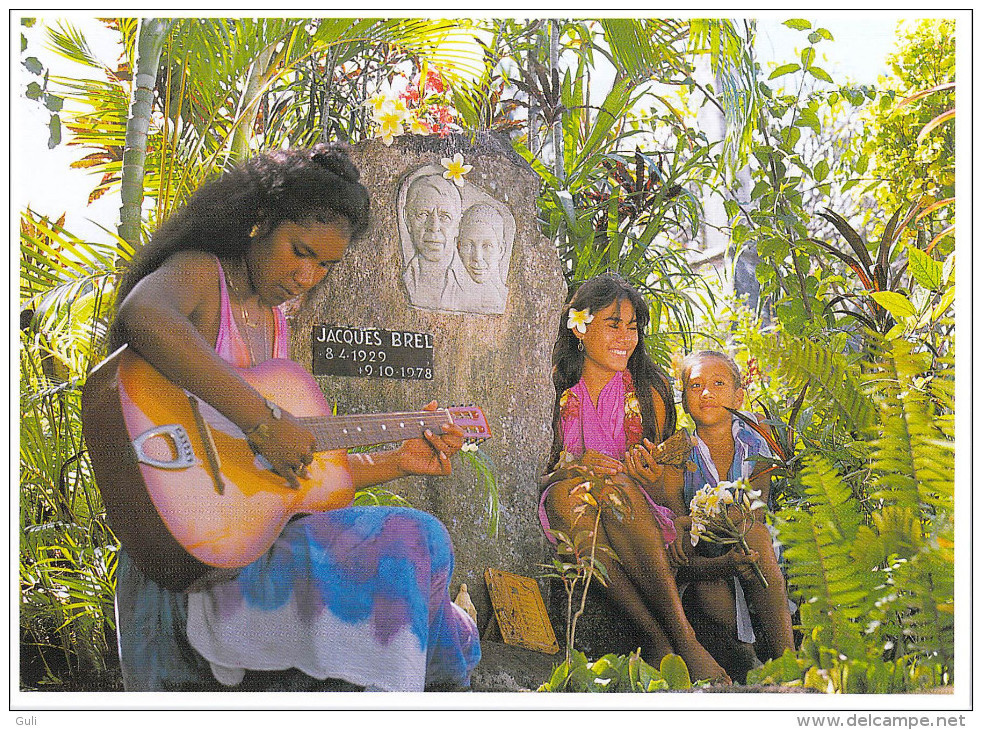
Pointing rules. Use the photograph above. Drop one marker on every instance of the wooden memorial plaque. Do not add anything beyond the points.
(520, 611)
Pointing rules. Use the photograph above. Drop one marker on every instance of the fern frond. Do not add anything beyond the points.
(925, 585)
(913, 458)
(835, 591)
(831, 375)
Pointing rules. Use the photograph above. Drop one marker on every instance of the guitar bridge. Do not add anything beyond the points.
(183, 451)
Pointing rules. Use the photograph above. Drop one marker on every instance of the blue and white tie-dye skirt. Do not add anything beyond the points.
(359, 594)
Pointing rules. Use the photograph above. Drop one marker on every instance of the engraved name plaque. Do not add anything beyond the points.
(371, 353)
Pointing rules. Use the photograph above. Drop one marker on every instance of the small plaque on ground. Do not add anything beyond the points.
(520, 611)
(371, 353)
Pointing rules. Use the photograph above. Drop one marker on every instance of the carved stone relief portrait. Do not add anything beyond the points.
(456, 244)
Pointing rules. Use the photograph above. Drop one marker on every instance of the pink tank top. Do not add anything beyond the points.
(230, 346)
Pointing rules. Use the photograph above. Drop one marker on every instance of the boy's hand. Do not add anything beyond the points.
(741, 564)
(677, 557)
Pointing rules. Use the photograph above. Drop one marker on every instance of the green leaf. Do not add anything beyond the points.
(896, 331)
(674, 671)
(54, 131)
(925, 270)
(810, 119)
(788, 68)
(53, 103)
(807, 57)
(33, 90)
(896, 304)
(33, 65)
(821, 170)
(819, 73)
(732, 208)
(798, 24)
(942, 306)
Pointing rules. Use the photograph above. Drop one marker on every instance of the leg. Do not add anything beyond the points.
(711, 608)
(619, 587)
(771, 602)
(623, 591)
(639, 545)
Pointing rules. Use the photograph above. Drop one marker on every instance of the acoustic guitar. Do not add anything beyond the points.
(185, 493)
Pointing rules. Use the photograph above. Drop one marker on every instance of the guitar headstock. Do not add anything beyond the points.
(470, 420)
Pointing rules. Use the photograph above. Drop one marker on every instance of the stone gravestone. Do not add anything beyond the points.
(466, 273)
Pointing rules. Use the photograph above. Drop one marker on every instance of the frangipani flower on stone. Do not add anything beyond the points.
(391, 124)
(418, 127)
(375, 103)
(579, 319)
(456, 169)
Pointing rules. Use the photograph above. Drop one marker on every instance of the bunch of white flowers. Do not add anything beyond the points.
(713, 519)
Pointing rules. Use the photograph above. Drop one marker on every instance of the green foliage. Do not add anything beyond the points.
(617, 673)
(870, 553)
(905, 167)
(621, 192)
(803, 362)
(67, 551)
(484, 467)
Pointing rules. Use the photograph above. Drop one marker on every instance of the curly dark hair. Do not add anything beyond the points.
(319, 184)
(567, 359)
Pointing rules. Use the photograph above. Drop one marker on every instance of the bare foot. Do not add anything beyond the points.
(702, 666)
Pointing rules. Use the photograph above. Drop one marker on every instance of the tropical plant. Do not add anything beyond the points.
(226, 88)
(910, 138)
(579, 557)
(618, 673)
(869, 551)
(67, 551)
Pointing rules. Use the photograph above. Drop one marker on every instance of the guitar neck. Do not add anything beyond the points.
(345, 432)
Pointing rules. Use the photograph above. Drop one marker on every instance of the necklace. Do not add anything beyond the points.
(250, 334)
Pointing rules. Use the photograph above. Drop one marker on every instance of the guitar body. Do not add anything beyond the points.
(178, 515)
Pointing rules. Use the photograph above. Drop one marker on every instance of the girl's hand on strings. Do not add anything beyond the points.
(431, 453)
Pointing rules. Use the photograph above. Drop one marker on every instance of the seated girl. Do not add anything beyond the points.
(613, 405)
(723, 580)
(358, 594)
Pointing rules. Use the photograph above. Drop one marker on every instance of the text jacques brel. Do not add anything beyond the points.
(371, 353)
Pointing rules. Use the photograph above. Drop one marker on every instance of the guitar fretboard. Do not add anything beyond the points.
(345, 432)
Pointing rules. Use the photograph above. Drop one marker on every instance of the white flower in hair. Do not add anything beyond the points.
(579, 319)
